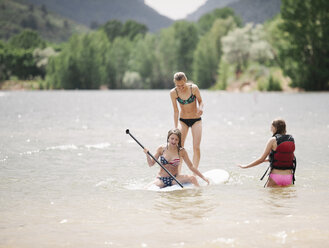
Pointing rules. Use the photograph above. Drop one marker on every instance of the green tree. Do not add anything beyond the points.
(144, 62)
(246, 44)
(132, 80)
(206, 21)
(82, 64)
(306, 27)
(224, 72)
(112, 29)
(186, 34)
(120, 53)
(260, 50)
(157, 57)
(277, 39)
(131, 29)
(41, 58)
(16, 57)
(27, 39)
(3, 71)
(209, 51)
(236, 47)
(18, 62)
(273, 84)
(166, 57)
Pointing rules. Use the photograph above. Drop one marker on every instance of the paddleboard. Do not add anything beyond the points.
(216, 176)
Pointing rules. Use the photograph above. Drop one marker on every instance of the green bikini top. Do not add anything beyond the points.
(187, 101)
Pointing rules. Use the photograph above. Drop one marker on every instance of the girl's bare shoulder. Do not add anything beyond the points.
(161, 149)
(195, 87)
(173, 92)
(272, 142)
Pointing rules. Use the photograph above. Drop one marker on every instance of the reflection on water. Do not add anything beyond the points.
(280, 200)
(282, 193)
(189, 205)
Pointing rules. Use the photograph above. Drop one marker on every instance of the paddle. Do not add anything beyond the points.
(171, 175)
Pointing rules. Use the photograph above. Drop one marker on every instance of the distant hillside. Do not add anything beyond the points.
(89, 12)
(15, 16)
(256, 11)
(209, 6)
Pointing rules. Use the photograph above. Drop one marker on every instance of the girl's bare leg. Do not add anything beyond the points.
(271, 183)
(187, 179)
(196, 134)
(184, 131)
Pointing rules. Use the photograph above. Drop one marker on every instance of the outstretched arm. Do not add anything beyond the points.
(190, 165)
(262, 158)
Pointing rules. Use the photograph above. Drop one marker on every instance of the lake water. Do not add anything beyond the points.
(71, 177)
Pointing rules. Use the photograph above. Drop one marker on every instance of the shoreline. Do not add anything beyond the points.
(238, 87)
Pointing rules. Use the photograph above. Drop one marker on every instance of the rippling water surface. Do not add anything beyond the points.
(71, 177)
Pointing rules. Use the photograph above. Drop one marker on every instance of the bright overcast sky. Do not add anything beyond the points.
(175, 9)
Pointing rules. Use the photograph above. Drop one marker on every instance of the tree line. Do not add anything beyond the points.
(214, 52)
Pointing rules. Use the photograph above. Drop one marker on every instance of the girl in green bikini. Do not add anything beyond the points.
(191, 106)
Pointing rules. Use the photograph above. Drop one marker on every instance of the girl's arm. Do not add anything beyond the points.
(199, 98)
(262, 158)
(190, 165)
(175, 107)
(149, 159)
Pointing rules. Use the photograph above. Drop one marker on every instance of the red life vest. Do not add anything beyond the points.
(283, 157)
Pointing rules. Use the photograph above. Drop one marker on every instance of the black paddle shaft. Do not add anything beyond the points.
(171, 175)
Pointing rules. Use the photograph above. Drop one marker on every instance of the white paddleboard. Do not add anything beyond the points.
(216, 176)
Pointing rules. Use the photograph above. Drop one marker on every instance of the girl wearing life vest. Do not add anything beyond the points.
(280, 149)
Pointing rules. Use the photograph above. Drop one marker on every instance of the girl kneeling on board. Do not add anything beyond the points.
(171, 157)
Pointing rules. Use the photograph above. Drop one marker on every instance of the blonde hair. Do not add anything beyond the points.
(280, 126)
(179, 135)
(179, 76)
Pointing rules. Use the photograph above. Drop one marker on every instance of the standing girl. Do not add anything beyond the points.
(191, 106)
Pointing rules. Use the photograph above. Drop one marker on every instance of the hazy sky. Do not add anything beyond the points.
(175, 9)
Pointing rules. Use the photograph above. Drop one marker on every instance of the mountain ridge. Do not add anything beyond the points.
(101, 11)
(209, 6)
(255, 11)
(16, 16)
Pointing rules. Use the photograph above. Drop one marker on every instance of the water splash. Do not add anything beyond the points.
(99, 146)
(62, 147)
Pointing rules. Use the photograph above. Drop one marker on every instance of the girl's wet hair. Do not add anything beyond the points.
(280, 126)
(179, 76)
(178, 133)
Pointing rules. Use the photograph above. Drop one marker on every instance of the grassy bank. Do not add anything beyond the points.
(21, 85)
